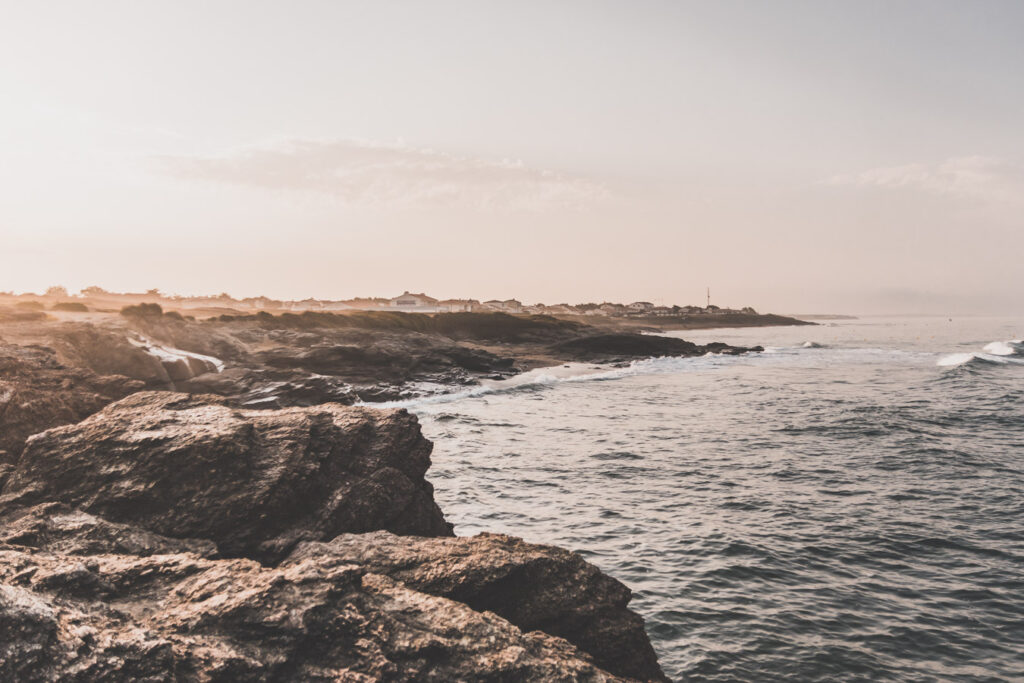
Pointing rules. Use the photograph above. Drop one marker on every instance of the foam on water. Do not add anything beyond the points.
(1013, 347)
(996, 353)
(545, 377)
(170, 354)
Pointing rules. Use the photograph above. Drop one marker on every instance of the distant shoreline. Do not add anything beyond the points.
(700, 321)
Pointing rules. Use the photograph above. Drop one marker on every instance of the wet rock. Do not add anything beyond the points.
(253, 481)
(534, 587)
(254, 388)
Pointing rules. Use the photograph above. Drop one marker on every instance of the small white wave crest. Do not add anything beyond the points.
(1014, 347)
(995, 353)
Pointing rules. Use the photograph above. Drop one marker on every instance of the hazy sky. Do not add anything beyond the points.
(795, 156)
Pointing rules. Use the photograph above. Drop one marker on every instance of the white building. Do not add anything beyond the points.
(408, 301)
(512, 306)
(506, 306)
(458, 305)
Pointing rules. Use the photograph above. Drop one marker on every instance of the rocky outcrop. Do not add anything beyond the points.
(172, 537)
(628, 346)
(254, 482)
(535, 587)
(38, 392)
(254, 388)
(107, 352)
(368, 358)
(184, 618)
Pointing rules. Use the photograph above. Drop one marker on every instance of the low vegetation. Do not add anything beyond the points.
(71, 307)
(496, 326)
(143, 311)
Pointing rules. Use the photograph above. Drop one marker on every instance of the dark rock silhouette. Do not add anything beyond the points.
(623, 346)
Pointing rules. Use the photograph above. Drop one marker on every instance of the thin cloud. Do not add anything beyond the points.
(380, 174)
(972, 177)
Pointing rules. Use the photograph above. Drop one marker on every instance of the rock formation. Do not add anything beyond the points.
(254, 482)
(631, 346)
(175, 537)
(38, 392)
(180, 617)
(535, 587)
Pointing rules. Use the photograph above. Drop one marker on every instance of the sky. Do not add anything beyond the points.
(817, 156)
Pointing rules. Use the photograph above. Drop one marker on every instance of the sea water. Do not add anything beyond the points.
(846, 505)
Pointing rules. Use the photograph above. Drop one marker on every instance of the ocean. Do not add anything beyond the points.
(847, 505)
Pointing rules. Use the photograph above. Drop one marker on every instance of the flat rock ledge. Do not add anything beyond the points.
(171, 537)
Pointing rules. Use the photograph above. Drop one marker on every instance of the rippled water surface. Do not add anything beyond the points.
(845, 506)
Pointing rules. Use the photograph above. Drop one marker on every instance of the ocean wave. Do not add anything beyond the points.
(994, 353)
(1014, 347)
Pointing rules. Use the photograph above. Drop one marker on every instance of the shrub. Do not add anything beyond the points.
(71, 306)
(142, 311)
(30, 305)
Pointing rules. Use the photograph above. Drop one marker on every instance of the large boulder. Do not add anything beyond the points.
(185, 618)
(255, 482)
(535, 587)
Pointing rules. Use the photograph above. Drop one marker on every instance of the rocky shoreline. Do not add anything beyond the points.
(186, 500)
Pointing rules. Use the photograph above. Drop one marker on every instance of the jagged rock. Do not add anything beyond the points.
(37, 392)
(108, 352)
(535, 587)
(60, 529)
(253, 481)
(250, 388)
(185, 618)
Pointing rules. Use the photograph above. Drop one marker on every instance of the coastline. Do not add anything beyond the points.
(172, 397)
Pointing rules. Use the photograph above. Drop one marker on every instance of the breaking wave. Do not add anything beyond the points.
(995, 353)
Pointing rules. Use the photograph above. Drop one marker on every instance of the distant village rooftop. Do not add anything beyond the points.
(407, 301)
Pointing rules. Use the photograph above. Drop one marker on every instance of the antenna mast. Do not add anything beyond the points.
(709, 297)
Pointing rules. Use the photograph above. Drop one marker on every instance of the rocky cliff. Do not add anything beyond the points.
(176, 537)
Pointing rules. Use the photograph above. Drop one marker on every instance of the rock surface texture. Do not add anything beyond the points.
(254, 482)
(37, 392)
(535, 587)
(171, 537)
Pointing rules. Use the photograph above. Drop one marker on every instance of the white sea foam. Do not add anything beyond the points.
(1014, 347)
(958, 359)
(955, 360)
(586, 372)
(169, 354)
(997, 352)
